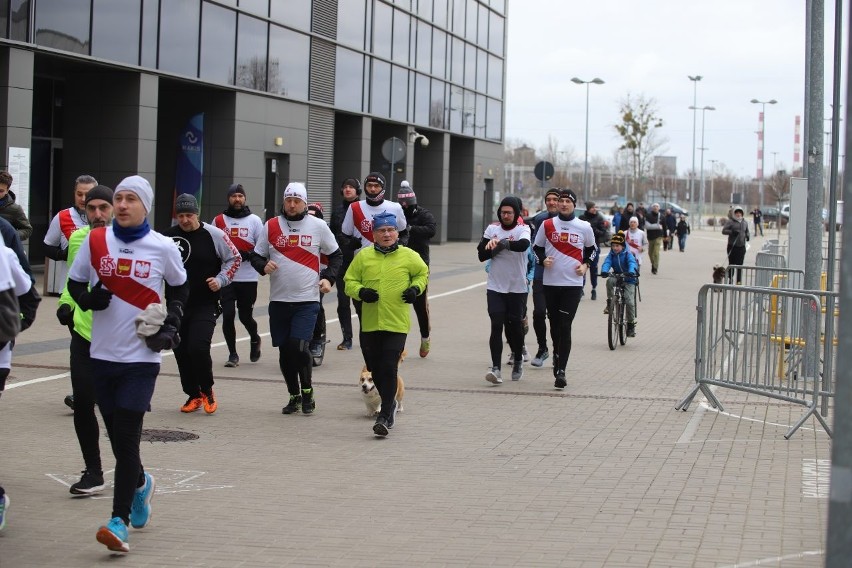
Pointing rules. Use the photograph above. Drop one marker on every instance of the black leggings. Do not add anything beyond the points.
(506, 311)
(562, 304)
(736, 255)
(421, 308)
(85, 420)
(125, 432)
(344, 311)
(238, 297)
(539, 315)
(193, 354)
(382, 349)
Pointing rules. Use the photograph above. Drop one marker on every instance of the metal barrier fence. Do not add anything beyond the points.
(759, 340)
(770, 260)
(768, 277)
(773, 246)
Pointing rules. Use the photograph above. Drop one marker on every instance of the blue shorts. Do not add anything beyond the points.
(124, 385)
(292, 320)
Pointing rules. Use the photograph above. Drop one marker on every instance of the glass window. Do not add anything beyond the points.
(20, 20)
(349, 80)
(495, 77)
(494, 120)
(401, 27)
(63, 24)
(350, 22)
(499, 5)
(482, 33)
(421, 99)
(424, 47)
(258, 7)
(479, 117)
(380, 89)
(179, 28)
(495, 34)
(424, 9)
(382, 30)
(457, 71)
(4, 18)
(232, 3)
(297, 13)
(469, 65)
(481, 71)
(251, 53)
(468, 112)
(439, 53)
(115, 30)
(150, 19)
(459, 9)
(399, 94)
(218, 42)
(470, 27)
(289, 57)
(403, 4)
(440, 17)
(436, 105)
(456, 109)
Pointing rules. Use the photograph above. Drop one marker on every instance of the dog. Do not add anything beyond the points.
(718, 274)
(370, 394)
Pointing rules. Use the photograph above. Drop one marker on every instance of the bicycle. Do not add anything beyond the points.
(617, 320)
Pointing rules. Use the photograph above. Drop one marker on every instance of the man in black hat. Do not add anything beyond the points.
(593, 217)
(421, 228)
(565, 247)
(350, 191)
(210, 260)
(243, 228)
(551, 209)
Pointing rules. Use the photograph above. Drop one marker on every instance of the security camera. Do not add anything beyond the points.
(414, 136)
(424, 141)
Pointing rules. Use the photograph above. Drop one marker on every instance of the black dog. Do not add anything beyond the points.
(718, 274)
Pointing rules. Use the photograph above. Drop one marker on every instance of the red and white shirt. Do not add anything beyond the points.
(637, 242)
(244, 233)
(296, 247)
(564, 241)
(358, 221)
(508, 269)
(62, 225)
(134, 273)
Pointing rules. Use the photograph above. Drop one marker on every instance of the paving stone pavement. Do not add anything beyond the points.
(606, 473)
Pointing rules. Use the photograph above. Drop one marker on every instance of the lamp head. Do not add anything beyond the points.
(696, 78)
(597, 81)
(577, 80)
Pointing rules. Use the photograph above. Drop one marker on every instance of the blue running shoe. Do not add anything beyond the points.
(4, 510)
(114, 535)
(140, 510)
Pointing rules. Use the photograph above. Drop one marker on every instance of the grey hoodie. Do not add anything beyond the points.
(737, 232)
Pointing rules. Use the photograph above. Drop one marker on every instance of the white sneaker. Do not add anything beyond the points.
(493, 376)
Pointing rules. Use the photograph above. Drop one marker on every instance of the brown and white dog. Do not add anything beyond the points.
(371, 395)
(718, 274)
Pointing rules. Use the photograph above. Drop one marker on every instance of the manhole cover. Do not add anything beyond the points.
(167, 436)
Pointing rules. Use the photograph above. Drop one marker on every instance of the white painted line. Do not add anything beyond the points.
(816, 476)
(39, 380)
(168, 481)
(774, 560)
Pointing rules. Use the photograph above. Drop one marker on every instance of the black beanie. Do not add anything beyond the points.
(186, 203)
(99, 192)
(236, 188)
(515, 204)
(354, 183)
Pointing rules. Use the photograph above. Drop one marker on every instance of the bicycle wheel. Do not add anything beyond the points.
(612, 324)
(622, 323)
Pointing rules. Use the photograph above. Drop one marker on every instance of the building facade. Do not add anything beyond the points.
(289, 90)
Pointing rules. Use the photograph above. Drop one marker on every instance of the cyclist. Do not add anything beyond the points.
(620, 261)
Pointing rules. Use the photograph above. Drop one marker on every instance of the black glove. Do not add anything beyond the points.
(65, 315)
(501, 244)
(368, 295)
(409, 295)
(95, 299)
(604, 274)
(62, 254)
(166, 338)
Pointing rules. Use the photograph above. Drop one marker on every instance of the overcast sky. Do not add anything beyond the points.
(743, 49)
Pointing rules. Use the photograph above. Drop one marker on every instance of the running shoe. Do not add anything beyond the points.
(4, 510)
(69, 401)
(294, 405)
(140, 509)
(209, 401)
(560, 382)
(518, 370)
(233, 360)
(380, 428)
(90, 483)
(345, 345)
(493, 376)
(540, 358)
(114, 535)
(254, 353)
(192, 404)
(425, 345)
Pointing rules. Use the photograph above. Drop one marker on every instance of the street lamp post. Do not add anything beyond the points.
(760, 144)
(712, 189)
(694, 106)
(703, 110)
(596, 81)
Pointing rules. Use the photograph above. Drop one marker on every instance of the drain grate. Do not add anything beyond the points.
(167, 436)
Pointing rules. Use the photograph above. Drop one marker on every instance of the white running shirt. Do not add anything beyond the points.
(244, 233)
(358, 221)
(564, 241)
(508, 271)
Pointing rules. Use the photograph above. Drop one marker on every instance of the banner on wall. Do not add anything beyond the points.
(190, 160)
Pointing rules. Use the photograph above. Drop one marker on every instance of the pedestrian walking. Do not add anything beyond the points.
(737, 231)
(628, 213)
(211, 260)
(551, 209)
(117, 273)
(593, 217)
(566, 248)
(505, 244)
(243, 228)
(421, 228)
(387, 278)
(98, 207)
(318, 340)
(670, 227)
(289, 250)
(757, 216)
(12, 211)
(350, 191)
(655, 231)
(682, 230)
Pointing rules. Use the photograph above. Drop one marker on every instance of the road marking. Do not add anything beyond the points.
(222, 343)
(816, 477)
(168, 481)
(774, 560)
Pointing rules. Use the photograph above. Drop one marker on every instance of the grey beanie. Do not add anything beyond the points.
(186, 203)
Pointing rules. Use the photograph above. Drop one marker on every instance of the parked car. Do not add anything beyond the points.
(773, 215)
(676, 209)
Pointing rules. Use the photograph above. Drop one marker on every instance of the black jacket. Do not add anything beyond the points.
(598, 224)
(421, 228)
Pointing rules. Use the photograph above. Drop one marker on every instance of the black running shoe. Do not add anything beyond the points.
(380, 428)
(69, 401)
(254, 353)
(560, 382)
(90, 483)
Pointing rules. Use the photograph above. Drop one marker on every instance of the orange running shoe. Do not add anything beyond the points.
(210, 404)
(193, 403)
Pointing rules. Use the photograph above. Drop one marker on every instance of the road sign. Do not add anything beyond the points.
(543, 171)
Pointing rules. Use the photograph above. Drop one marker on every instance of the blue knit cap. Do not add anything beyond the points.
(384, 220)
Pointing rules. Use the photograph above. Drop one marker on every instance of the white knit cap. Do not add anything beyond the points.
(139, 186)
(297, 190)
(634, 219)
(404, 184)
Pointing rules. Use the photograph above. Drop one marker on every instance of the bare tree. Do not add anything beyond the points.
(638, 130)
